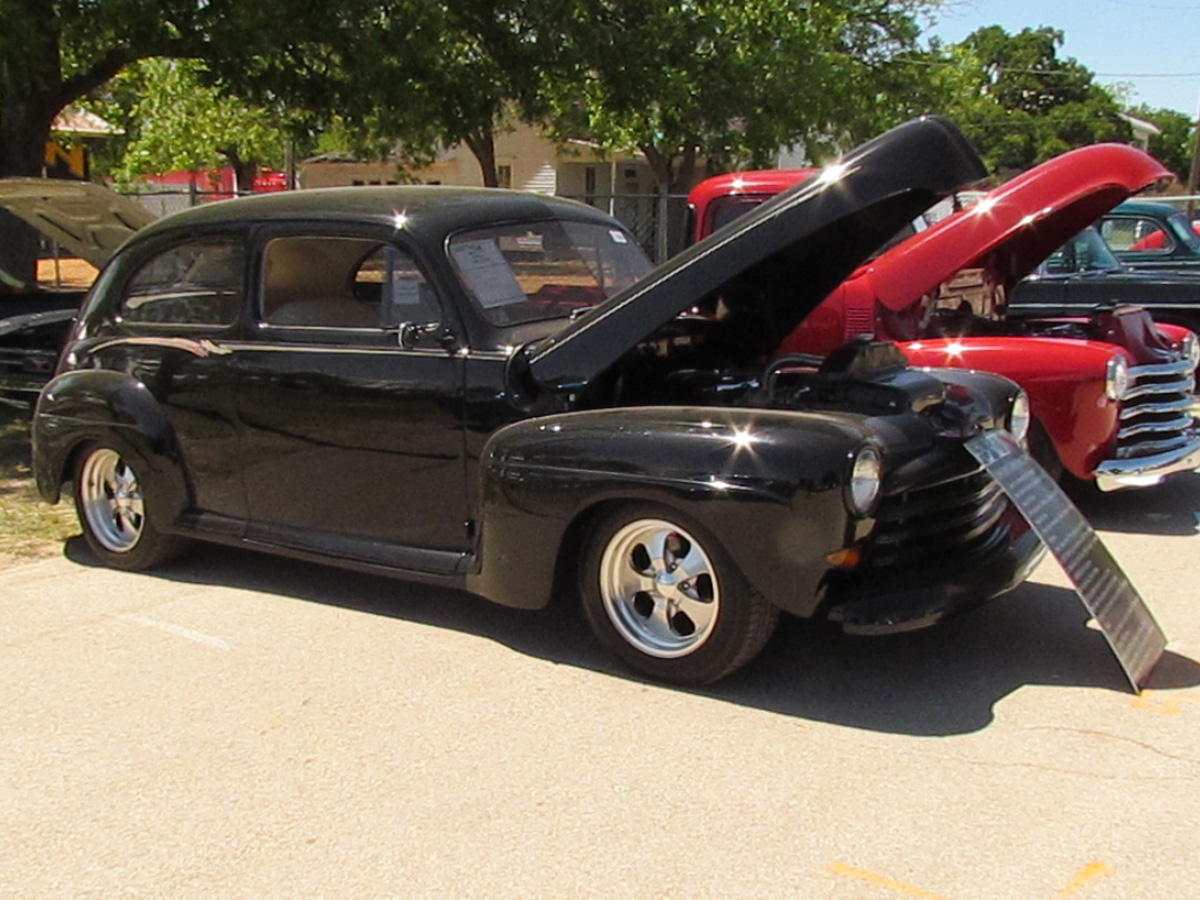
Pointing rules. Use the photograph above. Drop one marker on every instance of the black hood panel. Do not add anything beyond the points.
(785, 256)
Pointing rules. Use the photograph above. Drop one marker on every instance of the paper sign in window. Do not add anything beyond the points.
(487, 273)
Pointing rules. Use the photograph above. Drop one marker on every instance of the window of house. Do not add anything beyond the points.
(318, 281)
(197, 283)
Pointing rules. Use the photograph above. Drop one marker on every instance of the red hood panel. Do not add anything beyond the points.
(1017, 225)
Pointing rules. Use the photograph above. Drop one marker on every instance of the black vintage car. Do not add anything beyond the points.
(492, 390)
(1084, 274)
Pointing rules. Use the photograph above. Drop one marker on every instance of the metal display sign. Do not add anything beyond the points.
(1118, 609)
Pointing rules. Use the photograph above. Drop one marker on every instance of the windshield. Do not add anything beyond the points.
(1086, 252)
(1182, 226)
(531, 271)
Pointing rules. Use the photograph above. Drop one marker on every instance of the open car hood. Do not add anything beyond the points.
(87, 220)
(788, 254)
(1012, 229)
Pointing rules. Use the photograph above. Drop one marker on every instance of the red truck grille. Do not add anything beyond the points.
(1155, 414)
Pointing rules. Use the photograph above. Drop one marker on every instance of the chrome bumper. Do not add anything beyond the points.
(1144, 471)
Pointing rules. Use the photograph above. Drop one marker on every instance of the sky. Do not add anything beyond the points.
(1153, 46)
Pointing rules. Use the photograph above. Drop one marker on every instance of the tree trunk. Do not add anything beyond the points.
(483, 145)
(244, 170)
(32, 93)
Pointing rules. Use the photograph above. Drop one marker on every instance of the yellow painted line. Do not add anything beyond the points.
(1168, 705)
(843, 869)
(1088, 873)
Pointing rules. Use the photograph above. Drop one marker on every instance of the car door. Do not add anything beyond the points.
(1145, 241)
(178, 308)
(350, 404)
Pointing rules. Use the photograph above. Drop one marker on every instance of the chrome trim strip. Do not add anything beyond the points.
(1179, 425)
(202, 347)
(1170, 406)
(1183, 386)
(1142, 449)
(1112, 474)
(1178, 367)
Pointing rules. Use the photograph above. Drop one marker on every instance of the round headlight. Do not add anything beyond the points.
(1191, 349)
(865, 481)
(1018, 417)
(1116, 379)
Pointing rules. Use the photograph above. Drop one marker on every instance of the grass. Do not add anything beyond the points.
(30, 528)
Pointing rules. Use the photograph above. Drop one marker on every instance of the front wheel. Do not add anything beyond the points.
(663, 596)
(111, 505)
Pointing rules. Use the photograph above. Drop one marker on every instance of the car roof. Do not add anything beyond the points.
(755, 181)
(1147, 207)
(429, 212)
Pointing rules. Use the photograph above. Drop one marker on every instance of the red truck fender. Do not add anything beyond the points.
(1064, 379)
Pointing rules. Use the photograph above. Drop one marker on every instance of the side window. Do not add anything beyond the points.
(197, 283)
(1056, 263)
(316, 281)
(1136, 233)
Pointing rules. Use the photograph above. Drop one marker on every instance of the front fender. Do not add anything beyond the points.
(1063, 377)
(86, 406)
(768, 484)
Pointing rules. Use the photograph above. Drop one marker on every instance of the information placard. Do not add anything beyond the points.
(1118, 609)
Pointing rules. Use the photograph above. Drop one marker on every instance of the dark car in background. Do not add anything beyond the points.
(1084, 275)
(85, 223)
(1145, 234)
(492, 390)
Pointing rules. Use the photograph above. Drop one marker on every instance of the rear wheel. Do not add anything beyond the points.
(111, 504)
(663, 596)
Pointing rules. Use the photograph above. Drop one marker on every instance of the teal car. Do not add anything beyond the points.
(1149, 235)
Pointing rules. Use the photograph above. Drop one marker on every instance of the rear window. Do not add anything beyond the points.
(544, 270)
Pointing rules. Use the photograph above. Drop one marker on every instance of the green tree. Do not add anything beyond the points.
(175, 122)
(54, 52)
(411, 77)
(729, 82)
(1175, 146)
(1018, 101)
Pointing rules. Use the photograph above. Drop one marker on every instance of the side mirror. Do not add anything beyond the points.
(412, 334)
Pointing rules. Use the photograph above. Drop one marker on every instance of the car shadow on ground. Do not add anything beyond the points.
(941, 681)
(1170, 508)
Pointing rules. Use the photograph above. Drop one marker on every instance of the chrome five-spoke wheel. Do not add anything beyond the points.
(111, 501)
(662, 595)
(658, 588)
(114, 509)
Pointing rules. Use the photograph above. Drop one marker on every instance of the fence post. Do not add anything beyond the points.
(662, 245)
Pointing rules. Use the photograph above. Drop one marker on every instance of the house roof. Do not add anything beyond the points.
(81, 123)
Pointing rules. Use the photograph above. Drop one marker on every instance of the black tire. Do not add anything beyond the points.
(112, 508)
(691, 628)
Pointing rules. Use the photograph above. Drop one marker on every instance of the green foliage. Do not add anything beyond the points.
(177, 123)
(1175, 146)
(732, 82)
(1018, 101)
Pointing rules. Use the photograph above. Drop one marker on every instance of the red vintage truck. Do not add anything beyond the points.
(1110, 394)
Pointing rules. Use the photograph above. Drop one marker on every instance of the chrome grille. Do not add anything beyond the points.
(953, 517)
(1155, 414)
